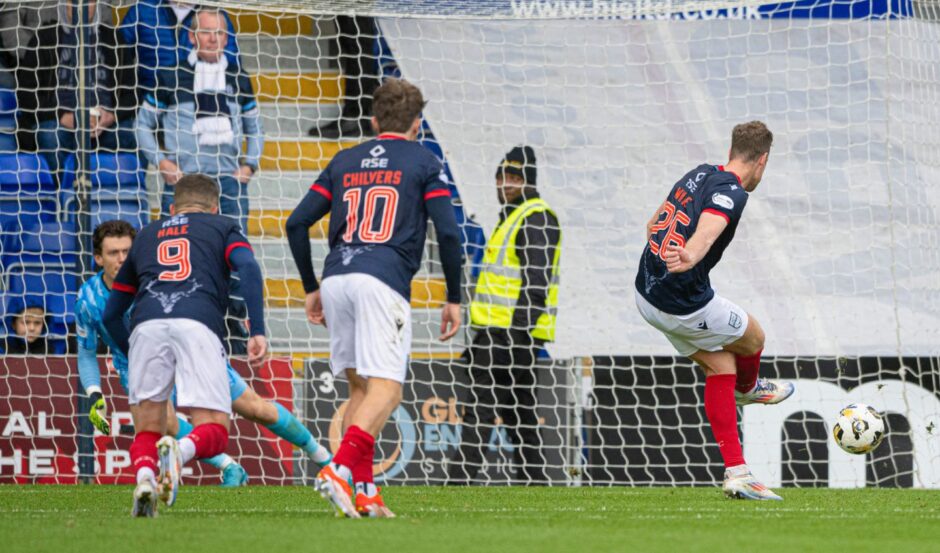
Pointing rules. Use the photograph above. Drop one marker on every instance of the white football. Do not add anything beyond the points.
(859, 429)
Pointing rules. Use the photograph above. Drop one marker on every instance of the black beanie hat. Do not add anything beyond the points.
(519, 161)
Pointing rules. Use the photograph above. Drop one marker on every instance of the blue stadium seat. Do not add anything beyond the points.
(57, 284)
(112, 173)
(7, 110)
(8, 142)
(43, 245)
(27, 210)
(25, 173)
(133, 211)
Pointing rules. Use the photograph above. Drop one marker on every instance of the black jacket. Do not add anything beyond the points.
(40, 87)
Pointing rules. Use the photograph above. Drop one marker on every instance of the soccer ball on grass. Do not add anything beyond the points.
(859, 429)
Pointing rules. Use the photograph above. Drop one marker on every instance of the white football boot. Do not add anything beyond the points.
(767, 391)
(741, 484)
(170, 461)
(145, 501)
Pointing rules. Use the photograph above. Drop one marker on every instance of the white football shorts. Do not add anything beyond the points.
(369, 324)
(712, 327)
(183, 353)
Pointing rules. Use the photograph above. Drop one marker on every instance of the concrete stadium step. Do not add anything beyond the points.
(283, 24)
(269, 223)
(300, 155)
(288, 330)
(279, 190)
(295, 54)
(273, 85)
(289, 120)
(276, 260)
(272, 23)
(426, 292)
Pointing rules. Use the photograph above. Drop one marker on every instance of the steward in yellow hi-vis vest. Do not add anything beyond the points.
(513, 311)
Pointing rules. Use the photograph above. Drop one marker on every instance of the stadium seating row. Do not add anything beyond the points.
(39, 250)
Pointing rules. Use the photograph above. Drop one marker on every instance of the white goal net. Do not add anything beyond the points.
(837, 255)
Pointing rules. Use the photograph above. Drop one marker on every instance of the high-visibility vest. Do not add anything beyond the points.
(500, 281)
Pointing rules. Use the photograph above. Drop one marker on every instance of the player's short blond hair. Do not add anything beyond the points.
(396, 104)
(750, 140)
(196, 191)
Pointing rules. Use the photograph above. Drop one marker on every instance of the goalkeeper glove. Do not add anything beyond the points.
(99, 414)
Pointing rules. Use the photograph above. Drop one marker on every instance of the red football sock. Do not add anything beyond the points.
(356, 444)
(210, 440)
(362, 472)
(144, 451)
(722, 413)
(748, 368)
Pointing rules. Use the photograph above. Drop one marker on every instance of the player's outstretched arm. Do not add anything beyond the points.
(314, 206)
(88, 373)
(448, 238)
(249, 273)
(680, 259)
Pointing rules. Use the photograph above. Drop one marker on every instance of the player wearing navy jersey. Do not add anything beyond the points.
(379, 195)
(686, 238)
(111, 243)
(177, 275)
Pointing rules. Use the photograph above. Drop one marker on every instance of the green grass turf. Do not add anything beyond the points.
(95, 519)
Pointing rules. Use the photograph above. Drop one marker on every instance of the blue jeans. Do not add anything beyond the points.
(57, 142)
(233, 202)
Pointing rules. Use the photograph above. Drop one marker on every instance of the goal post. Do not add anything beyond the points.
(837, 254)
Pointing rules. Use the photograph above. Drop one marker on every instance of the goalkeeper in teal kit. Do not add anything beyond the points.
(111, 243)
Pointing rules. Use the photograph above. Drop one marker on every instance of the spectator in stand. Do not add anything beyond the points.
(205, 108)
(356, 41)
(26, 328)
(48, 78)
(157, 32)
(19, 22)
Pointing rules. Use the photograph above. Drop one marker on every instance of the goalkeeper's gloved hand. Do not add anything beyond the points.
(99, 414)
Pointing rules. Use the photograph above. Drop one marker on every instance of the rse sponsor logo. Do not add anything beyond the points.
(375, 162)
(175, 220)
(692, 185)
(723, 201)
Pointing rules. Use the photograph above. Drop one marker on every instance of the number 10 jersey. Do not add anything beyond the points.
(707, 188)
(378, 219)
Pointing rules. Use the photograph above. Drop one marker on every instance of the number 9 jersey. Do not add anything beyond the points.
(378, 219)
(179, 267)
(707, 188)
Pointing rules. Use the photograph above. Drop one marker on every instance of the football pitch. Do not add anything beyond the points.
(478, 520)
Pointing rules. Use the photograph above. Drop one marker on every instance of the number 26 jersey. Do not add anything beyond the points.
(705, 189)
